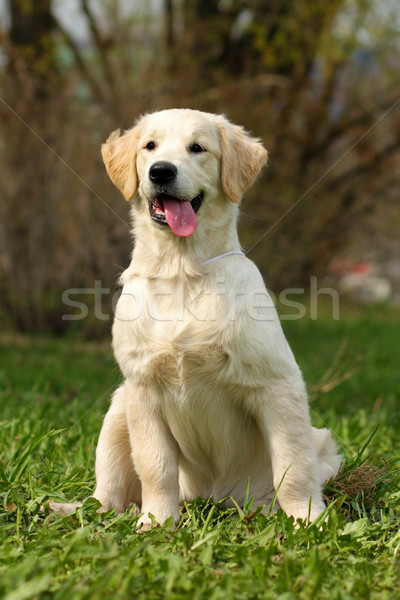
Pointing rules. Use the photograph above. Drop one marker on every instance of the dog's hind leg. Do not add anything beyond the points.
(117, 483)
(63, 508)
(328, 458)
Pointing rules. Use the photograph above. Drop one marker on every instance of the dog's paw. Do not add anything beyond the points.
(64, 508)
(145, 523)
(306, 509)
(149, 521)
(307, 513)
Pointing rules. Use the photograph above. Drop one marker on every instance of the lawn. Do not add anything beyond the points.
(53, 394)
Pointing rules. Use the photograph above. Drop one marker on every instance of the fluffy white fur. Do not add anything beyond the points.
(213, 397)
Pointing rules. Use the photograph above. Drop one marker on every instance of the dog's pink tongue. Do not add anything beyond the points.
(180, 216)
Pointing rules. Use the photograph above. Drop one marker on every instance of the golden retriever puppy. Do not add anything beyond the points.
(213, 399)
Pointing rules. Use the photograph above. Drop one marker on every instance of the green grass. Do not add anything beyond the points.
(53, 395)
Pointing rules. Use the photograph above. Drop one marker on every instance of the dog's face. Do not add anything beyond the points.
(178, 164)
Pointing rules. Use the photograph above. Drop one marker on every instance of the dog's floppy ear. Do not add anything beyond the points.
(242, 158)
(119, 156)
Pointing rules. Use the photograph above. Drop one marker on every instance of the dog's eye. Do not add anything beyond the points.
(196, 148)
(150, 145)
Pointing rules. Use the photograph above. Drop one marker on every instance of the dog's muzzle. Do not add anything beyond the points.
(179, 214)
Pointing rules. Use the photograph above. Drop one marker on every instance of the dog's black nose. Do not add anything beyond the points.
(162, 172)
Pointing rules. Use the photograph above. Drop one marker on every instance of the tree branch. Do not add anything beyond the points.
(96, 89)
(98, 41)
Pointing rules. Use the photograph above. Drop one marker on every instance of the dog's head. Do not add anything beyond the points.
(176, 161)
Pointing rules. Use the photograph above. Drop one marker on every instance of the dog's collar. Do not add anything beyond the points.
(210, 260)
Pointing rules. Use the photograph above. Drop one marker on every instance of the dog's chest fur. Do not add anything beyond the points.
(170, 332)
(180, 346)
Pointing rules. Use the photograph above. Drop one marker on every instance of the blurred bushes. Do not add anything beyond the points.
(313, 79)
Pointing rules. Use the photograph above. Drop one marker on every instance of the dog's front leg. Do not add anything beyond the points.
(283, 417)
(154, 454)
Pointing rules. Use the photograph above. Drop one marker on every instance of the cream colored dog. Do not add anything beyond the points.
(213, 397)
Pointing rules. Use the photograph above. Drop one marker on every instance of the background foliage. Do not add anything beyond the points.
(316, 80)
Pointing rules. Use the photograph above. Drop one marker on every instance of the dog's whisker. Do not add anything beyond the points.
(256, 218)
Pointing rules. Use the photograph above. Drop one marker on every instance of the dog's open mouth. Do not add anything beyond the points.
(179, 215)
